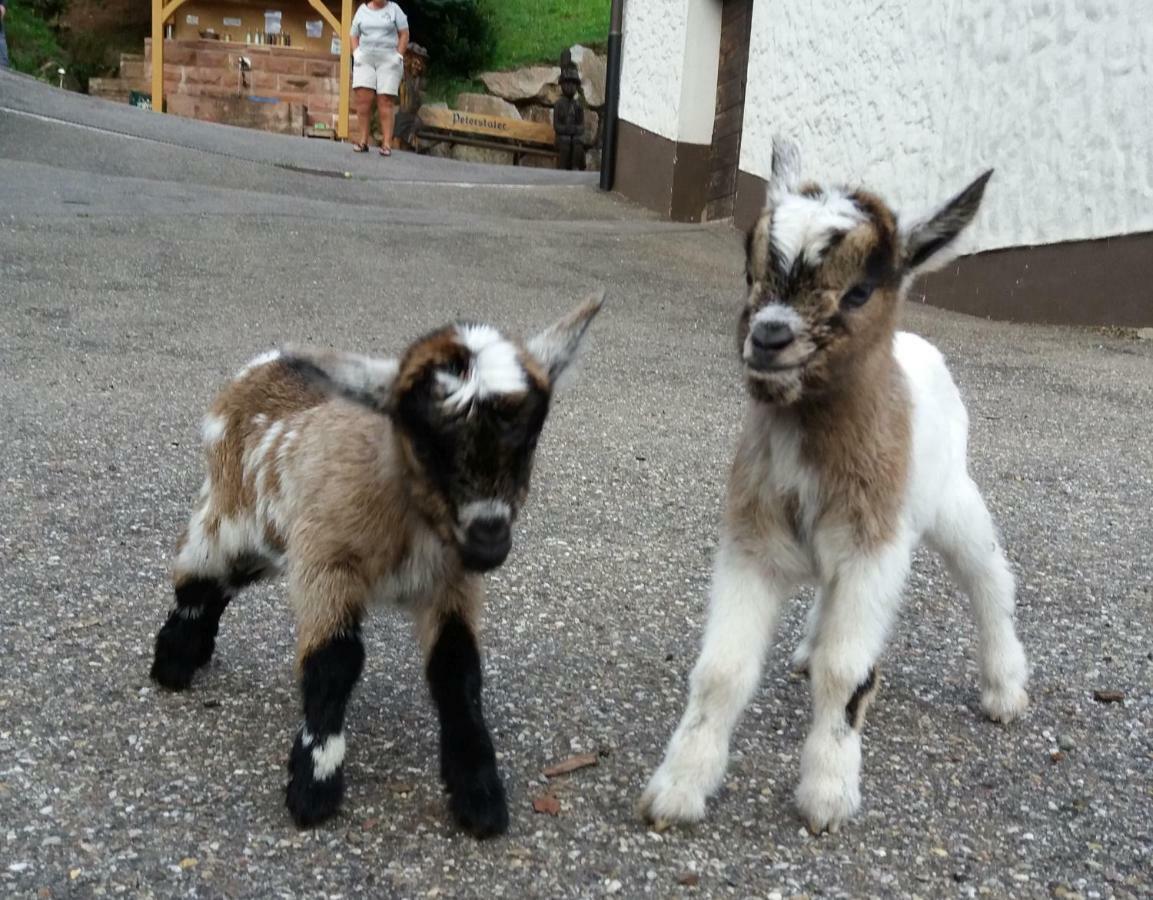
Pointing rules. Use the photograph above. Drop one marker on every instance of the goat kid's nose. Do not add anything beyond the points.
(488, 531)
(772, 337)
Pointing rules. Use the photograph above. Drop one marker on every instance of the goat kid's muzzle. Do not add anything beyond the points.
(772, 345)
(486, 543)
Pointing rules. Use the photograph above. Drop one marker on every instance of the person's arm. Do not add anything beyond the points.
(401, 29)
(354, 31)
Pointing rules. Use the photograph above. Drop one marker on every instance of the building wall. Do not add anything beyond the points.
(668, 93)
(652, 65)
(915, 100)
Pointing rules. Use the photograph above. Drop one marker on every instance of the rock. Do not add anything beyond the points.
(440, 150)
(1066, 743)
(550, 94)
(521, 84)
(465, 153)
(1108, 696)
(592, 127)
(1145, 334)
(592, 70)
(593, 159)
(486, 105)
(536, 113)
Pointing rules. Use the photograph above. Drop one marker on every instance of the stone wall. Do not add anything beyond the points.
(287, 75)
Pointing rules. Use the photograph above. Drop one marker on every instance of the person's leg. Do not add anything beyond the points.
(363, 102)
(3, 51)
(387, 111)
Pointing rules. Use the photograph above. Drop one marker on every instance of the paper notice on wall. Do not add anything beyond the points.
(232, 22)
(192, 20)
(314, 29)
(335, 48)
(272, 21)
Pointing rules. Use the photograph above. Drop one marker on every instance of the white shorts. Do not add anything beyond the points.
(378, 70)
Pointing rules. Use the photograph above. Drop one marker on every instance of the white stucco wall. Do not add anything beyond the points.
(670, 51)
(914, 99)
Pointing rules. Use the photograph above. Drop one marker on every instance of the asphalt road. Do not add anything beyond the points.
(143, 259)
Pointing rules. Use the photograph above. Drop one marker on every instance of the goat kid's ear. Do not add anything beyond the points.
(927, 239)
(786, 177)
(366, 380)
(556, 346)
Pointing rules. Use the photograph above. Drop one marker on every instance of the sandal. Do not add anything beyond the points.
(360, 148)
(384, 151)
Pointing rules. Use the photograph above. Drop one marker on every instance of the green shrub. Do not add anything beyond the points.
(457, 33)
(32, 43)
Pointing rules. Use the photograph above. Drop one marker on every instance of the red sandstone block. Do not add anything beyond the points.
(321, 103)
(263, 81)
(177, 55)
(317, 69)
(217, 59)
(294, 83)
(199, 75)
(282, 65)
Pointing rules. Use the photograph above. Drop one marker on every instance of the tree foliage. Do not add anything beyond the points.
(32, 43)
(458, 34)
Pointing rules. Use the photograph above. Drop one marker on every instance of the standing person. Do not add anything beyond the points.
(379, 37)
(3, 38)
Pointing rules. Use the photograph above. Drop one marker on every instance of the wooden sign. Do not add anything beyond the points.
(482, 124)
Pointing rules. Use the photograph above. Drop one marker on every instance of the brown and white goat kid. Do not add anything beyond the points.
(370, 480)
(853, 451)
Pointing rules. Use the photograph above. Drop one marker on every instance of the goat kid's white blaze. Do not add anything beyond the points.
(494, 368)
(802, 227)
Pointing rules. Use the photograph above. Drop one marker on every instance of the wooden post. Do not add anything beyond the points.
(158, 55)
(345, 68)
(332, 20)
(161, 13)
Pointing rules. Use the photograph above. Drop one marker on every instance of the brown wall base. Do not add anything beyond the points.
(666, 176)
(1101, 282)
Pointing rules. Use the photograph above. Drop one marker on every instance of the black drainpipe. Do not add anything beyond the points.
(612, 96)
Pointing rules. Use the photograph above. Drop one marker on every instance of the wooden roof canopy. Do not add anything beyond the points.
(162, 11)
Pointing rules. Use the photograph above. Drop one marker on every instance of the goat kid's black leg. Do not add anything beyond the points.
(187, 640)
(316, 763)
(467, 758)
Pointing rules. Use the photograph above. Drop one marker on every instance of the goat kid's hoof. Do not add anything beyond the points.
(1004, 704)
(479, 806)
(176, 662)
(181, 649)
(311, 801)
(667, 802)
(827, 803)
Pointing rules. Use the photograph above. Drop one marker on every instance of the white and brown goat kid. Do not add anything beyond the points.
(370, 480)
(853, 451)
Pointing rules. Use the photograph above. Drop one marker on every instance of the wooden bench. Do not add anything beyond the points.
(492, 132)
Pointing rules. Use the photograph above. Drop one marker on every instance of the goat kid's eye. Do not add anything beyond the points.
(857, 295)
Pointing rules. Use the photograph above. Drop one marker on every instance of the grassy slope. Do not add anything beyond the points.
(529, 31)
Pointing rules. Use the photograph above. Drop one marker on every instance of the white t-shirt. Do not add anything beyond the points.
(379, 29)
